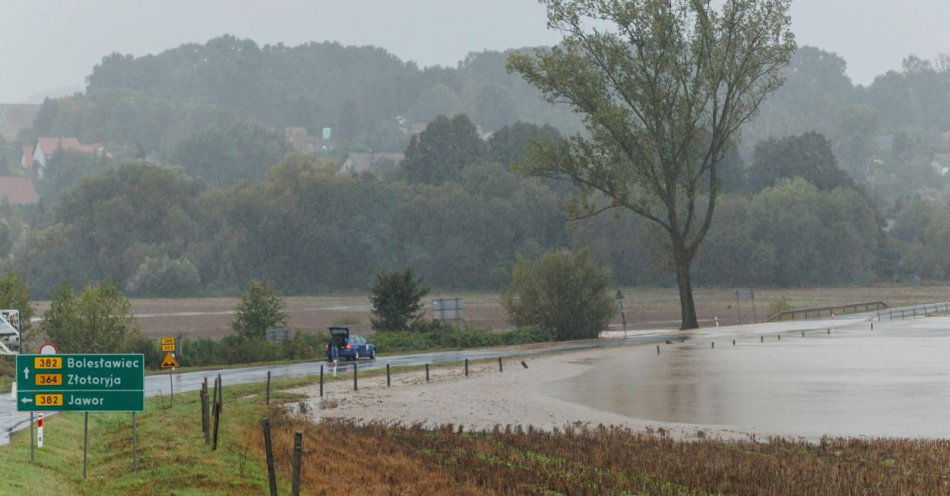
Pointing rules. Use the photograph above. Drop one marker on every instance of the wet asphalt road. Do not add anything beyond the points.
(11, 420)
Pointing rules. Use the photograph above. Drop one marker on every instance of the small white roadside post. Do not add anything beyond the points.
(39, 432)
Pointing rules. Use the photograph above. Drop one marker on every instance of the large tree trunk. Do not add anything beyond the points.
(687, 306)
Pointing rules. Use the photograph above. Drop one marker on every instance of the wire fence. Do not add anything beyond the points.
(819, 312)
(915, 311)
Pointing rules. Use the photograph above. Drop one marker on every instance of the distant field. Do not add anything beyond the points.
(645, 308)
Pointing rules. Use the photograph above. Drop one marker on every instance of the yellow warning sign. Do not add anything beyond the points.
(169, 361)
(169, 344)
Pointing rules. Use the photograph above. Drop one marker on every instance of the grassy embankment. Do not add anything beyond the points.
(173, 458)
(378, 459)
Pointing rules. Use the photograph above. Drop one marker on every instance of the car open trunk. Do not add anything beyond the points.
(339, 336)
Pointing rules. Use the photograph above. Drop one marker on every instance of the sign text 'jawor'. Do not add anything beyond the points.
(91, 382)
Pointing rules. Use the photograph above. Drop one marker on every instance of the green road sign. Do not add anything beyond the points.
(88, 382)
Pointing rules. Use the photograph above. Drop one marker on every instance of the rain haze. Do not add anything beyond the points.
(872, 35)
(437, 247)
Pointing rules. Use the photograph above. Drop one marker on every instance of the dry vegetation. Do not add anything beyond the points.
(386, 459)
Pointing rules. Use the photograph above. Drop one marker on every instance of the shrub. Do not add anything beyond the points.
(563, 292)
(97, 321)
(778, 305)
(260, 309)
(164, 277)
(240, 349)
(307, 345)
(449, 338)
(397, 301)
(148, 347)
(196, 352)
(6, 366)
(15, 294)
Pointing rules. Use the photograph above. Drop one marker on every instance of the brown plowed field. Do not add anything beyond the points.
(645, 308)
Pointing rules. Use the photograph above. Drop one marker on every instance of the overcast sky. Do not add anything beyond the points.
(51, 44)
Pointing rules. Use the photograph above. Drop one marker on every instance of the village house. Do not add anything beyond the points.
(301, 141)
(37, 155)
(17, 191)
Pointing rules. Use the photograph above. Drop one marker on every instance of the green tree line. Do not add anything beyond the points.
(152, 230)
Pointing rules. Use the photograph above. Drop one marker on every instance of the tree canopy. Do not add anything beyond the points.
(98, 320)
(562, 292)
(260, 309)
(808, 156)
(663, 94)
(397, 301)
(442, 151)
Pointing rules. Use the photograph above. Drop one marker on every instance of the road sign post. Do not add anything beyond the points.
(170, 362)
(745, 293)
(135, 454)
(85, 443)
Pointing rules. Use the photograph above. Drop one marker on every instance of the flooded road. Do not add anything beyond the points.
(894, 381)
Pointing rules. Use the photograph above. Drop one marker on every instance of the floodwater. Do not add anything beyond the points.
(892, 382)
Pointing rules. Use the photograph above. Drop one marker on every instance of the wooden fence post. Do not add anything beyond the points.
(205, 414)
(269, 452)
(267, 397)
(214, 394)
(298, 447)
(217, 413)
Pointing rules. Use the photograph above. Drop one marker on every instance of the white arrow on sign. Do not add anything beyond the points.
(26, 372)
(26, 400)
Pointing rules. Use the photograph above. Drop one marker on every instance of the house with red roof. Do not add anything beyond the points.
(17, 191)
(40, 152)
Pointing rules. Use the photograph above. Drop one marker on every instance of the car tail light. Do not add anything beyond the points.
(349, 346)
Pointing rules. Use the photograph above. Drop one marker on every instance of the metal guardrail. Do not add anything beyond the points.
(915, 311)
(818, 312)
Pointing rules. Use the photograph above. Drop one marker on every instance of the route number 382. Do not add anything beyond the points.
(49, 400)
(48, 362)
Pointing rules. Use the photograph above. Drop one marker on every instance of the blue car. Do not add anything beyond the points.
(346, 346)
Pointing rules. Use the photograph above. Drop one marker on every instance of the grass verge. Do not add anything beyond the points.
(173, 458)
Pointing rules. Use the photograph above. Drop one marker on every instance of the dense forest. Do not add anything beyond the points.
(833, 183)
